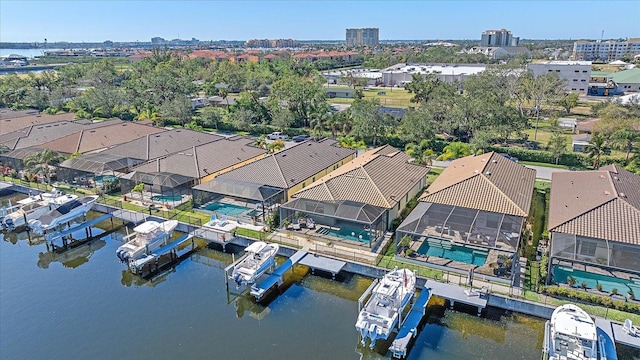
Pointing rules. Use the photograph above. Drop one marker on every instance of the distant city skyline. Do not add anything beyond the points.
(97, 21)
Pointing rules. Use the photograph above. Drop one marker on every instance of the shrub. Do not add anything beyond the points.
(599, 287)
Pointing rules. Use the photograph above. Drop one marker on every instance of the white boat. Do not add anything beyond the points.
(572, 334)
(63, 213)
(389, 297)
(259, 258)
(146, 238)
(32, 208)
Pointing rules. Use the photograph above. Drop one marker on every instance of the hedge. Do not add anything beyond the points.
(596, 299)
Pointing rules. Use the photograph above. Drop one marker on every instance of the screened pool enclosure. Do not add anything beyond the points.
(341, 220)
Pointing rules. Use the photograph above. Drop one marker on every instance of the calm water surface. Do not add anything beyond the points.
(84, 305)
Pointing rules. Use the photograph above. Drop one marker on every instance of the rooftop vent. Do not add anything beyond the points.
(488, 173)
(494, 161)
(622, 195)
(607, 192)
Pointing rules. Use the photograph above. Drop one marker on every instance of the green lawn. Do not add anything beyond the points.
(392, 98)
(533, 163)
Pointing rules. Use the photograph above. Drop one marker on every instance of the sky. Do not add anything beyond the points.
(122, 20)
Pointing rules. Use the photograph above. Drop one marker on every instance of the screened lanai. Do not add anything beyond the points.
(166, 185)
(15, 158)
(345, 220)
(606, 253)
(463, 225)
(236, 198)
(94, 167)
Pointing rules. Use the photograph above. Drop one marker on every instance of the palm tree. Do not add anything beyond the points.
(626, 140)
(596, 148)
(149, 113)
(350, 142)
(40, 162)
(318, 125)
(421, 153)
(276, 145)
(261, 142)
(455, 150)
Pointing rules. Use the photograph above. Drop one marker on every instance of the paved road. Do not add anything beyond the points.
(542, 173)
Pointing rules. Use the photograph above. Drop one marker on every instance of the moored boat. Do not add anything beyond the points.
(64, 213)
(389, 297)
(259, 258)
(146, 237)
(32, 208)
(571, 334)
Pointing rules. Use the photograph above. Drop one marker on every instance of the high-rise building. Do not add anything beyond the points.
(500, 37)
(362, 37)
(605, 50)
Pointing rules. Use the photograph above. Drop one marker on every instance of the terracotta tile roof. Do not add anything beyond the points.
(91, 139)
(202, 160)
(602, 204)
(488, 182)
(165, 143)
(291, 166)
(12, 114)
(8, 125)
(379, 177)
(39, 134)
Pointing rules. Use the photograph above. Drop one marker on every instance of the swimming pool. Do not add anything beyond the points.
(607, 283)
(452, 252)
(227, 209)
(346, 233)
(100, 179)
(166, 198)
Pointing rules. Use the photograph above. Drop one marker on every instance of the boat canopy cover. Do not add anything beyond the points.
(169, 225)
(255, 247)
(146, 227)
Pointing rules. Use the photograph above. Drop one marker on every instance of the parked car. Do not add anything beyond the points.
(301, 138)
(277, 135)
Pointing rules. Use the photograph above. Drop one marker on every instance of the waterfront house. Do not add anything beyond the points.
(594, 228)
(117, 160)
(470, 218)
(176, 173)
(359, 200)
(272, 180)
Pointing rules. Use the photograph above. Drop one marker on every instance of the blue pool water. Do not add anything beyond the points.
(608, 283)
(347, 234)
(166, 198)
(455, 253)
(100, 179)
(227, 209)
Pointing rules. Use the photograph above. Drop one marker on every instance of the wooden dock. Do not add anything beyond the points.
(455, 293)
(315, 261)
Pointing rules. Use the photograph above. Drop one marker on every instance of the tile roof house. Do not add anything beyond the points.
(477, 205)
(36, 135)
(381, 177)
(95, 139)
(293, 166)
(497, 184)
(119, 158)
(283, 173)
(196, 164)
(9, 124)
(594, 219)
(12, 114)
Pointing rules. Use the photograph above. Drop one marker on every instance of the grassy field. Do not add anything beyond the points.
(392, 97)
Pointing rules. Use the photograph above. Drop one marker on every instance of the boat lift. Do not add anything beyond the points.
(409, 329)
(258, 290)
(152, 261)
(67, 238)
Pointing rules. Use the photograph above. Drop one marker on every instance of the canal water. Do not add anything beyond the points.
(84, 305)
